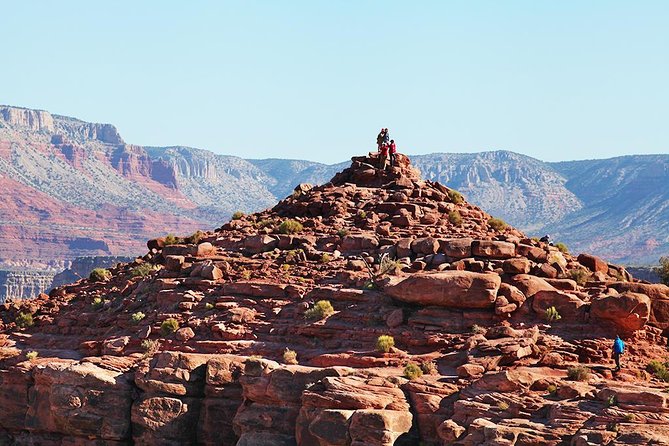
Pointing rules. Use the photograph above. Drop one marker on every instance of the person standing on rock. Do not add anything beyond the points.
(383, 156)
(386, 136)
(618, 349)
(392, 151)
(379, 139)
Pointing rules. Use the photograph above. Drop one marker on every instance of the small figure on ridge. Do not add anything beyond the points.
(618, 349)
(383, 156)
(379, 139)
(393, 151)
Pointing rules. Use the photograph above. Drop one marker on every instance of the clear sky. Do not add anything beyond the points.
(557, 80)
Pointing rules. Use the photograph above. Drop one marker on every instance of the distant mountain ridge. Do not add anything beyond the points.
(78, 189)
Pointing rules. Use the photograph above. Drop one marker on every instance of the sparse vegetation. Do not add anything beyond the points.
(290, 356)
(477, 329)
(659, 369)
(246, 274)
(611, 401)
(208, 306)
(552, 389)
(137, 317)
(388, 266)
(24, 320)
(412, 371)
(580, 275)
(429, 368)
(503, 405)
(326, 258)
(150, 347)
(320, 310)
(562, 247)
(455, 196)
(497, 224)
(97, 303)
(238, 215)
(552, 314)
(663, 270)
(264, 224)
(169, 326)
(100, 275)
(629, 417)
(142, 270)
(195, 237)
(32, 355)
(384, 343)
(361, 214)
(171, 239)
(285, 267)
(290, 227)
(343, 232)
(455, 218)
(578, 373)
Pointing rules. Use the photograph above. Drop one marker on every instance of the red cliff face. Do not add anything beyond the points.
(377, 309)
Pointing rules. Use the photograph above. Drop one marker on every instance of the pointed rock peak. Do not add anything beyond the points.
(365, 171)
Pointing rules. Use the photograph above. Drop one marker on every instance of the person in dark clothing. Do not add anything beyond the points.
(379, 139)
(386, 136)
(618, 349)
(392, 150)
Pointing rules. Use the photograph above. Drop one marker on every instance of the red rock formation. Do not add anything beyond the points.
(196, 342)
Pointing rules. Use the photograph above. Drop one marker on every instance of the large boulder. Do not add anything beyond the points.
(529, 285)
(659, 300)
(456, 289)
(493, 249)
(593, 263)
(628, 311)
(567, 305)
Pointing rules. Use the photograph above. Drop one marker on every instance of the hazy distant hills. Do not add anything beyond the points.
(76, 188)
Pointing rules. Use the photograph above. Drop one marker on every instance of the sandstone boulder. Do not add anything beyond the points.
(628, 311)
(567, 305)
(493, 249)
(456, 289)
(593, 263)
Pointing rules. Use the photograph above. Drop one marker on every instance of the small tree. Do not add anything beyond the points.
(497, 224)
(290, 227)
(24, 320)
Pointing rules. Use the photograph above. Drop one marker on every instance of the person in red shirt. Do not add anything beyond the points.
(393, 150)
(383, 156)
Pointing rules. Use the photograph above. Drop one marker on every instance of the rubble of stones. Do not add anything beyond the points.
(188, 344)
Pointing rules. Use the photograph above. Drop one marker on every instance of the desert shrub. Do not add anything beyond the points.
(24, 320)
(208, 306)
(195, 237)
(477, 329)
(246, 274)
(455, 196)
(290, 227)
(264, 224)
(32, 355)
(552, 389)
(580, 275)
(578, 373)
(169, 326)
(384, 343)
(171, 239)
(455, 218)
(429, 367)
(238, 215)
(503, 405)
(149, 347)
(138, 316)
(290, 356)
(97, 303)
(562, 247)
(611, 401)
(285, 267)
(659, 369)
(326, 258)
(142, 270)
(388, 266)
(412, 371)
(552, 314)
(629, 417)
(320, 310)
(361, 214)
(100, 275)
(663, 270)
(343, 232)
(497, 224)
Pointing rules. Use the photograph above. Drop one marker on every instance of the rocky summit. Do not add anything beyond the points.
(376, 309)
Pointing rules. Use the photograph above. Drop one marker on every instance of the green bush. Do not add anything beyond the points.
(497, 224)
(196, 237)
(169, 326)
(580, 275)
(326, 258)
(31, 355)
(142, 270)
(455, 218)
(290, 227)
(24, 320)
(361, 214)
(208, 306)
(412, 371)
(136, 317)
(238, 215)
(659, 369)
(150, 347)
(100, 275)
(477, 329)
(503, 405)
(552, 314)
(429, 368)
(578, 373)
(97, 303)
(552, 389)
(322, 309)
(290, 356)
(343, 232)
(562, 247)
(171, 239)
(455, 196)
(384, 343)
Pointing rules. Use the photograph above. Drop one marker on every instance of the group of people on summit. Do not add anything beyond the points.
(387, 149)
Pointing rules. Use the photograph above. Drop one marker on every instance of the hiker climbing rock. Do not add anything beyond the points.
(618, 349)
(392, 151)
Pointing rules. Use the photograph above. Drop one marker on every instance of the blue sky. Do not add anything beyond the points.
(556, 80)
